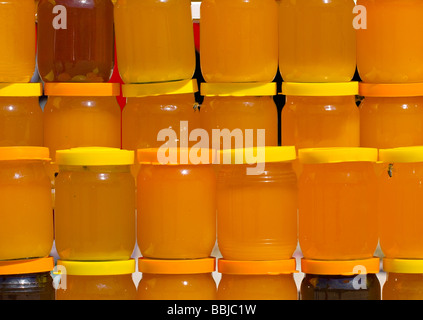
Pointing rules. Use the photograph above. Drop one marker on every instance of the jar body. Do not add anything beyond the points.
(389, 51)
(239, 40)
(391, 122)
(21, 122)
(98, 287)
(250, 224)
(34, 286)
(177, 287)
(75, 40)
(26, 213)
(257, 287)
(320, 122)
(323, 46)
(337, 287)
(337, 211)
(176, 211)
(165, 52)
(402, 286)
(259, 117)
(95, 213)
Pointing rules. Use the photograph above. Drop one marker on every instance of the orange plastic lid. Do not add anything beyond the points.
(257, 267)
(24, 153)
(82, 89)
(26, 266)
(191, 266)
(391, 90)
(176, 156)
(341, 267)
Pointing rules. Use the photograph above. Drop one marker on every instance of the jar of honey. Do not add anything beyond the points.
(95, 204)
(96, 280)
(176, 202)
(317, 40)
(21, 117)
(190, 279)
(75, 40)
(26, 212)
(257, 203)
(239, 40)
(257, 280)
(243, 112)
(338, 203)
(154, 40)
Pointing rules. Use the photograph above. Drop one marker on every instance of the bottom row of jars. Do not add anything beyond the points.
(40, 279)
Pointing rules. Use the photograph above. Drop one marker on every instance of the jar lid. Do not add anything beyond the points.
(176, 156)
(26, 266)
(190, 266)
(82, 89)
(257, 155)
(94, 156)
(337, 155)
(24, 153)
(401, 155)
(403, 266)
(238, 89)
(341, 267)
(320, 89)
(276, 267)
(159, 88)
(97, 268)
(21, 90)
(391, 90)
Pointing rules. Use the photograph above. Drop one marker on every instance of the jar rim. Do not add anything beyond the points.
(94, 156)
(275, 267)
(401, 155)
(26, 266)
(337, 155)
(238, 89)
(96, 268)
(320, 89)
(140, 90)
(393, 90)
(341, 267)
(82, 89)
(21, 90)
(24, 153)
(183, 266)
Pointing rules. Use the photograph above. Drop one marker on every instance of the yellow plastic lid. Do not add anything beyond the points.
(21, 89)
(97, 268)
(26, 266)
(337, 155)
(176, 156)
(320, 89)
(238, 89)
(257, 155)
(159, 88)
(190, 266)
(341, 267)
(401, 155)
(391, 90)
(403, 266)
(24, 153)
(94, 156)
(82, 89)
(276, 267)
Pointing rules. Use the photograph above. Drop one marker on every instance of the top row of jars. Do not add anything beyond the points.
(317, 41)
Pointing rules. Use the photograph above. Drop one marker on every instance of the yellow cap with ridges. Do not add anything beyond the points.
(21, 89)
(159, 88)
(96, 268)
(257, 155)
(320, 89)
(238, 89)
(337, 155)
(401, 155)
(95, 156)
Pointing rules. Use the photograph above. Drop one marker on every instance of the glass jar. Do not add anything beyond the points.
(257, 280)
(95, 204)
(338, 203)
(241, 110)
(26, 213)
(251, 225)
(404, 279)
(149, 51)
(317, 40)
(21, 117)
(391, 115)
(17, 34)
(401, 204)
(96, 280)
(239, 40)
(320, 115)
(27, 279)
(176, 204)
(341, 280)
(177, 279)
(75, 40)
(389, 49)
